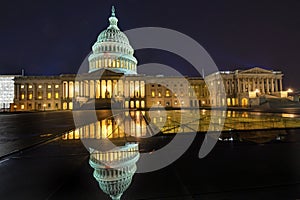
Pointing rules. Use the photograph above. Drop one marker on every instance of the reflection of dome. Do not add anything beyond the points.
(112, 50)
(114, 169)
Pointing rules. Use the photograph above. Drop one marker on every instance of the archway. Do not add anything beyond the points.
(244, 102)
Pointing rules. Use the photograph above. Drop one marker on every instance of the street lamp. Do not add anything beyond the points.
(44, 105)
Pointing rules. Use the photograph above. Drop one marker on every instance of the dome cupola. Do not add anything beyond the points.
(112, 50)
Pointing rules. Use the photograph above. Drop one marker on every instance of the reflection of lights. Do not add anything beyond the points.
(288, 115)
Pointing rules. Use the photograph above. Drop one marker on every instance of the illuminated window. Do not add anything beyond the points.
(153, 93)
(131, 104)
(65, 105)
(56, 95)
(49, 95)
(22, 86)
(22, 107)
(30, 86)
(167, 93)
(49, 86)
(40, 86)
(137, 104)
(30, 96)
(39, 95)
(126, 104)
(22, 96)
(143, 104)
(71, 105)
(56, 86)
(159, 94)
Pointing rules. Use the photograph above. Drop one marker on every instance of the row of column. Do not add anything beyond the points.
(264, 85)
(104, 89)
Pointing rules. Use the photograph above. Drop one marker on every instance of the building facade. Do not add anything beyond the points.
(6, 91)
(245, 87)
(112, 80)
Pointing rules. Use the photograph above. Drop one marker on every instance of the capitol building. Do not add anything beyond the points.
(113, 80)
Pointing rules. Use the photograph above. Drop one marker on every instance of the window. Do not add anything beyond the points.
(65, 106)
(159, 94)
(56, 95)
(56, 86)
(49, 105)
(71, 105)
(30, 96)
(22, 107)
(40, 86)
(152, 93)
(22, 96)
(39, 95)
(167, 93)
(30, 86)
(49, 86)
(49, 95)
(22, 86)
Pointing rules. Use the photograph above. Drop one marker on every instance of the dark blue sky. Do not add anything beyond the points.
(53, 37)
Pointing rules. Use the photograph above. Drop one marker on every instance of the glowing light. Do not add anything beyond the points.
(289, 90)
(256, 90)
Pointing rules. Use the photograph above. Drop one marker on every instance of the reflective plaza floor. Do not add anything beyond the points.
(40, 161)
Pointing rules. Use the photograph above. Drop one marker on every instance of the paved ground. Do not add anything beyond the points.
(21, 130)
(233, 170)
(59, 169)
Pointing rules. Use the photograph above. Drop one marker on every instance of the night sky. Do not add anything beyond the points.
(53, 37)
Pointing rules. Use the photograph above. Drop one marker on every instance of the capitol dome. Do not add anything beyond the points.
(112, 50)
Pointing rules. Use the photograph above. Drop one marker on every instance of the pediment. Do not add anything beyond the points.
(256, 70)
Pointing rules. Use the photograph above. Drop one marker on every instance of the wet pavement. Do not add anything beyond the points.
(239, 167)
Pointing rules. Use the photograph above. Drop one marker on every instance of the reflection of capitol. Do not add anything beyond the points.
(114, 169)
(142, 124)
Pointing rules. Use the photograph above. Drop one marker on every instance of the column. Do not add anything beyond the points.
(244, 85)
(238, 85)
(253, 83)
(268, 87)
(276, 85)
(33, 93)
(263, 85)
(45, 86)
(280, 84)
(272, 85)
(18, 92)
